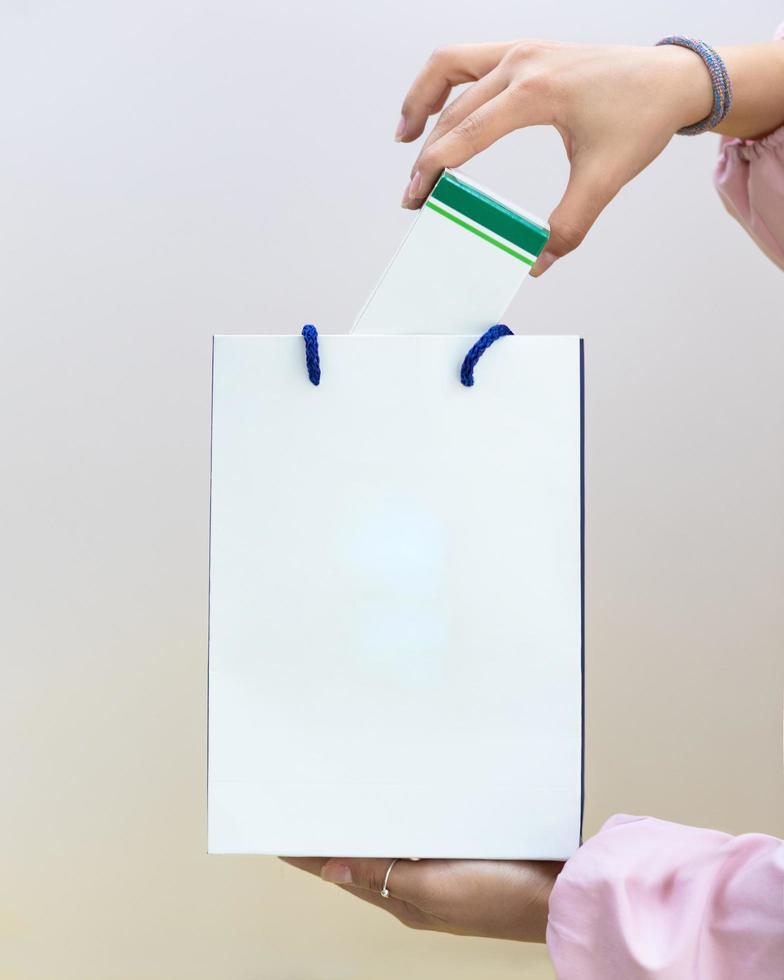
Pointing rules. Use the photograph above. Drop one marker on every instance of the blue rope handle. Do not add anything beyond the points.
(310, 334)
(488, 338)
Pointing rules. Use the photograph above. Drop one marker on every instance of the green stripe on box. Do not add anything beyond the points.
(480, 233)
(490, 214)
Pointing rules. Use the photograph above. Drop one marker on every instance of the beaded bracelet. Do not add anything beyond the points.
(722, 87)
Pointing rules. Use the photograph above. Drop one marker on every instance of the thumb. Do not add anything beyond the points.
(588, 192)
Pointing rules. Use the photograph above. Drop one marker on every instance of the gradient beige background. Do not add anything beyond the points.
(173, 169)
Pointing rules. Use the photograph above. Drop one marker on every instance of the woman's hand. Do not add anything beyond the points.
(494, 899)
(616, 108)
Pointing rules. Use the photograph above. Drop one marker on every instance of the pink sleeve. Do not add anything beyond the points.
(648, 899)
(749, 177)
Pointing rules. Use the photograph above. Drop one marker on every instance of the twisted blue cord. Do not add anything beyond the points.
(488, 337)
(310, 334)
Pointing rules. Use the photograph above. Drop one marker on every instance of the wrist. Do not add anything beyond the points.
(544, 874)
(686, 85)
(757, 75)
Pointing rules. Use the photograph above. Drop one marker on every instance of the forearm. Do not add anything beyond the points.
(757, 75)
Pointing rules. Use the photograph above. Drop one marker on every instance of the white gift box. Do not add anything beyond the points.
(464, 257)
(396, 598)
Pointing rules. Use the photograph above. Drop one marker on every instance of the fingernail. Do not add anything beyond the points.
(543, 263)
(412, 191)
(400, 132)
(338, 874)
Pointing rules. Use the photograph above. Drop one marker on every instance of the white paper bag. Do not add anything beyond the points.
(395, 638)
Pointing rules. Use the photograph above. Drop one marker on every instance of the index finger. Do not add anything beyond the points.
(312, 865)
(364, 879)
(479, 130)
(444, 69)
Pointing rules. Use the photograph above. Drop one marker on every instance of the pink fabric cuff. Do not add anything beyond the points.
(646, 899)
(749, 177)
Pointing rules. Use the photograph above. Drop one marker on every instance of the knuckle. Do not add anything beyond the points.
(373, 880)
(520, 89)
(448, 116)
(521, 51)
(468, 131)
(565, 237)
(440, 55)
(430, 162)
(540, 84)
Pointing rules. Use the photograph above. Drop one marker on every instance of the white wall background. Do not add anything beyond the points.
(173, 169)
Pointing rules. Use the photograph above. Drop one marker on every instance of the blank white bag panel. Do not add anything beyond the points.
(395, 639)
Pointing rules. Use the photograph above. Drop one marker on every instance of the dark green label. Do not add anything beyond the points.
(490, 214)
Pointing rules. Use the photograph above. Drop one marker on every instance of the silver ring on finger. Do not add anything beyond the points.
(384, 889)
